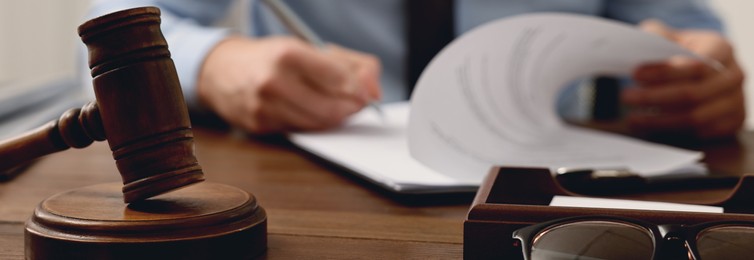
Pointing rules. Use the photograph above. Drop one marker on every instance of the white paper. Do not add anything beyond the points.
(489, 97)
(378, 150)
(567, 201)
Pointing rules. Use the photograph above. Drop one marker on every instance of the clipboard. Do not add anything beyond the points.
(376, 150)
(512, 198)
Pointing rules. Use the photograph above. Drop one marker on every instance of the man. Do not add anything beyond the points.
(264, 83)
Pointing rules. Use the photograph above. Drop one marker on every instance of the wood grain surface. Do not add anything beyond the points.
(314, 210)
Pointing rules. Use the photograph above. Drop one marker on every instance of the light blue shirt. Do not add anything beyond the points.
(375, 27)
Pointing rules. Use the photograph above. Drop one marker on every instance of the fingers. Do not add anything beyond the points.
(711, 107)
(283, 117)
(278, 85)
(659, 28)
(673, 70)
(367, 69)
(300, 107)
(705, 43)
(335, 71)
(325, 87)
(320, 71)
(684, 82)
(708, 44)
(684, 93)
(722, 117)
(696, 116)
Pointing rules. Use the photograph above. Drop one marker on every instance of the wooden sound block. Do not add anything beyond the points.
(203, 221)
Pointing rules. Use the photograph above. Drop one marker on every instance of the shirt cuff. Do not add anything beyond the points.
(189, 46)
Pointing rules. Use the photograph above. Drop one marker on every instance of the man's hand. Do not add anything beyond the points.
(687, 96)
(282, 84)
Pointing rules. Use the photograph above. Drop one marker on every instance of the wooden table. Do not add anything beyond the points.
(314, 210)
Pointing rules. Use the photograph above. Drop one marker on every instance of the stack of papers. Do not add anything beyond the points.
(488, 99)
(377, 150)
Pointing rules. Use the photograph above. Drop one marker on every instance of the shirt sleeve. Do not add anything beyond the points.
(187, 26)
(686, 14)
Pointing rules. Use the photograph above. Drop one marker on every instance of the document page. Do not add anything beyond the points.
(489, 97)
(376, 148)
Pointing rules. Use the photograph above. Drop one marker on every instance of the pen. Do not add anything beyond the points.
(294, 24)
(619, 180)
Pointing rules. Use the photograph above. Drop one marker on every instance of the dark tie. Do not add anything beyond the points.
(606, 104)
(429, 28)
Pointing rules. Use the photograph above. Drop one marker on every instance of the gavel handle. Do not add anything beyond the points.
(76, 128)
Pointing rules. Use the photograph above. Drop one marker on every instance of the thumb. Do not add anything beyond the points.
(657, 27)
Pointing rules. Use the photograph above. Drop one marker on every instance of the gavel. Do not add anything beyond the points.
(141, 112)
(140, 109)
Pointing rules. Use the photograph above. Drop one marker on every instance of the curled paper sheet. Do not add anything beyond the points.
(488, 98)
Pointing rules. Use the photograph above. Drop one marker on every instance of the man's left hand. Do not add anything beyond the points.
(684, 95)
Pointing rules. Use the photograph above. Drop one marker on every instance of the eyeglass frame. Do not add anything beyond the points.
(660, 233)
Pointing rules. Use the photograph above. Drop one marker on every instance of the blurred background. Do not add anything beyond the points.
(38, 39)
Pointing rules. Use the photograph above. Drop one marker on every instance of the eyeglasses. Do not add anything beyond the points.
(617, 238)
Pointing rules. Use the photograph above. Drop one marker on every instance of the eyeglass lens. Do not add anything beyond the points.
(587, 240)
(726, 242)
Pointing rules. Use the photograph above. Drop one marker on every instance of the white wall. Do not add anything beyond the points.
(38, 37)
(739, 19)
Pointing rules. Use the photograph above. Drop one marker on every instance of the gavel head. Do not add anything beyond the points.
(144, 116)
